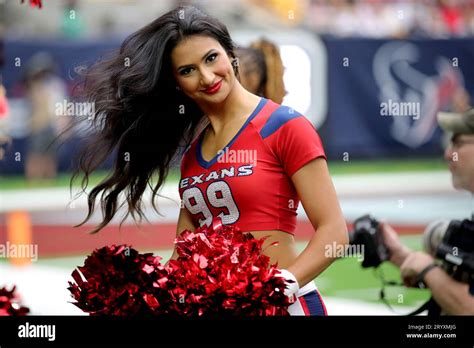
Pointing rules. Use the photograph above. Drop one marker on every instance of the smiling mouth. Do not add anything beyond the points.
(214, 88)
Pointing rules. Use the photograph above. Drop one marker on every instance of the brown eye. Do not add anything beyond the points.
(185, 71)
(212, 57)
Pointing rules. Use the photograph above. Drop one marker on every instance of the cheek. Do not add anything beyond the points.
(448, 154)
(223, 68)
(187, 84)
(468, 158)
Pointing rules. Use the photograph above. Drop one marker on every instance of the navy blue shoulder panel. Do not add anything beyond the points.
(277, 119)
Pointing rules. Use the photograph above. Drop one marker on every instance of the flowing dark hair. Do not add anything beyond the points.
(140, 115)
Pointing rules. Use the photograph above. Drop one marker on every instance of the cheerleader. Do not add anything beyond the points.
(261, 70)
(247, 160)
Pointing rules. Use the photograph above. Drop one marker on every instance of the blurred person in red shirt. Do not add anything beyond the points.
(452, 17)
(5, 139)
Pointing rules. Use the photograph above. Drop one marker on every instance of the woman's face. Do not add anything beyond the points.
(202, 69)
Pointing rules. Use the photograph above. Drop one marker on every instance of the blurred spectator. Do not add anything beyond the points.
(392, 18)
(469, 18)
(72, 25)
(452, 17)
(43, 91)
(5, 139)
(290, 12)
(261, 70)
(364, 18)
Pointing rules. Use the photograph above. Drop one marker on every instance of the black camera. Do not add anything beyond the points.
(450, 241)
(453, 242)
(368, 236)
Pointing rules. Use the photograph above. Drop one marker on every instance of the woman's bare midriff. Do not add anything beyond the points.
(284, 253)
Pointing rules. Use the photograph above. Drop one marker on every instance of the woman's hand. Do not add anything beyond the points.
(292, 285)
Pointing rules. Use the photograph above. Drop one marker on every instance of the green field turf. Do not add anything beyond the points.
(335, 167)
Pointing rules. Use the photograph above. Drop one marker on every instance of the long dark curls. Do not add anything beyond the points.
(140, 115)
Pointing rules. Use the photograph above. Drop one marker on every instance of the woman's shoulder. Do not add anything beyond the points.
(279, 118)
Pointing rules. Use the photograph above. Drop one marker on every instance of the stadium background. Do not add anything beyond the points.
(343, 60)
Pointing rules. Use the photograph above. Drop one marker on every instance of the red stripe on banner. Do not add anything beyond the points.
(54, 240)
(304, 305)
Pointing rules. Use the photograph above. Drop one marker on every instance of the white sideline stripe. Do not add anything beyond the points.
(55, 199)
(386, 184)
(42, 289)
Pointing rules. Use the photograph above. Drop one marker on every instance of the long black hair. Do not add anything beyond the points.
(140, 115)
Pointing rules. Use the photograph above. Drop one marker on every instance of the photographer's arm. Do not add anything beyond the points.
(452, 296)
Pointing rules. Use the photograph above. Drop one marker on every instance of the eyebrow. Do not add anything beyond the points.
(203, 57)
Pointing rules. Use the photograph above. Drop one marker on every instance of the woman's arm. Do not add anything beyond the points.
(318, 196)
(184, 223)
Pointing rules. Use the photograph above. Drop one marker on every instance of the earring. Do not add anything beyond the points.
(178, 89)
(235, 62)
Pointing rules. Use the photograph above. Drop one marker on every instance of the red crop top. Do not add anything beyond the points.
(248, 183)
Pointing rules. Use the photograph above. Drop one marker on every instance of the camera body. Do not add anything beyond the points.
(452, 242)
(367, 233)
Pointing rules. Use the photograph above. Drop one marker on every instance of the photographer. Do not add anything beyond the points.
(451, 295)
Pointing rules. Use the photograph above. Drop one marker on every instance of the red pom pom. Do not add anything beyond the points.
(34, 3)
(219, 271)
(117, 280)
(9, 303)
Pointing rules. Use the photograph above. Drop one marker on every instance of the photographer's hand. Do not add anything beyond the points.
(452, 296)
(398, 251)
(414, 263)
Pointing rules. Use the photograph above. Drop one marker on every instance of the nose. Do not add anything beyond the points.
(207, 78)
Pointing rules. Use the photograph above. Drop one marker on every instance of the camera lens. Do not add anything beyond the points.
(433, 236)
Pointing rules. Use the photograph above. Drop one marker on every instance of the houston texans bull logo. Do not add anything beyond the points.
(409, 95)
